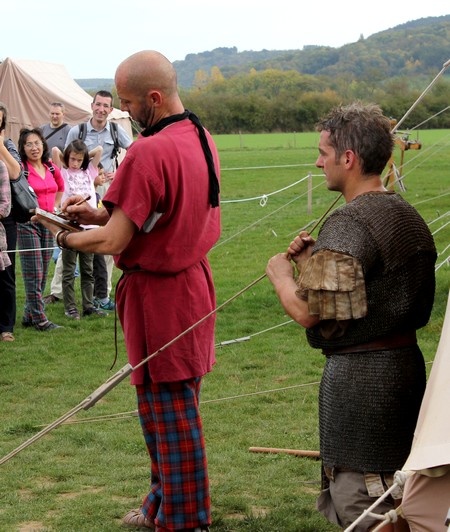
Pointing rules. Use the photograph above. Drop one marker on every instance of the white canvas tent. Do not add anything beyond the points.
(431, 445)
(28, 87)
(430, 449)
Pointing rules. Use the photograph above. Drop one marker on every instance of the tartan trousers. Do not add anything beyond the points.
(179, 491)
(36, 237)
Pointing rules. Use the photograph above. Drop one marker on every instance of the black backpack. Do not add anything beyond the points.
(113, 127)
(26, 171)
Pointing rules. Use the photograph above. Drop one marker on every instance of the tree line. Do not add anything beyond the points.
(286, 101)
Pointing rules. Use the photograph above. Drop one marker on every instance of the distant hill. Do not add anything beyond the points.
(416, 48)
(96, 84)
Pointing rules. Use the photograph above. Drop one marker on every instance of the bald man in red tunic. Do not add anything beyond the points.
(160, 221)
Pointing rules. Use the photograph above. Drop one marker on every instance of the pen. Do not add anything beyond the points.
(87, 198)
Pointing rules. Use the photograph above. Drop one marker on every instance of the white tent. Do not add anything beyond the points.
(431, 445)
(426, 499)
(28, 87)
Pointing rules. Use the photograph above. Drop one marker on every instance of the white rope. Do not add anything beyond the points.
(438, 218)
(444, 250)
(261, 219)
(437, 146)
(428, 119)
(423, 159)
(30, 249)
(246, 338)
(265, 195)
(389, 517)
(419, 99)
(134, 413)
(446, 261)
(400, 479)
(431, 199)
(440, 228)
(266, 167)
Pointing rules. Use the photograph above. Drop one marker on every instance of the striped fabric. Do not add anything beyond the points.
(34, 236)
(170, 418)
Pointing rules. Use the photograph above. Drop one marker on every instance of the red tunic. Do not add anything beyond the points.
(162, 185)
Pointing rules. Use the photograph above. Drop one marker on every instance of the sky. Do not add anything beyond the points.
(91, 38)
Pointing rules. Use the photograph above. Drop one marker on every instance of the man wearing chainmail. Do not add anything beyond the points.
(363, 289)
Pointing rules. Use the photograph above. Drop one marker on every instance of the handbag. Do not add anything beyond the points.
(23, 199)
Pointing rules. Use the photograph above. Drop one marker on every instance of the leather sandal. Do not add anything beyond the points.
(136, 519)
(7, 336)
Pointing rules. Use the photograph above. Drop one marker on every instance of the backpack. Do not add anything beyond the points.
(114, 134)
(26, 171)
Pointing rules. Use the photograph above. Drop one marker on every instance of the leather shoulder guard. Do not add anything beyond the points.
(335, 286)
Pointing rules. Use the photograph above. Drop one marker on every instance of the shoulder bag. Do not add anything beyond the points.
(23, 198)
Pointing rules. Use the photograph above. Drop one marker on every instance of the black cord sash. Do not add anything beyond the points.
(214, 188)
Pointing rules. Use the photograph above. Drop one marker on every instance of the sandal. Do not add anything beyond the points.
(46, 326)
(8, 336)
(72, 313)
(136, 519)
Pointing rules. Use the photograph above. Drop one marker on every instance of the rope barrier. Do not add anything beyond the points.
(266, 195)
(266, 167)
(222, 242)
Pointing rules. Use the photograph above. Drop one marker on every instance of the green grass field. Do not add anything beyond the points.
(262, 392)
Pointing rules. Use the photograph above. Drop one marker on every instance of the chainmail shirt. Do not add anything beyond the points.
(369, 401)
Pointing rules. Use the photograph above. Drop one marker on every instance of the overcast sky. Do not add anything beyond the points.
(91, 37)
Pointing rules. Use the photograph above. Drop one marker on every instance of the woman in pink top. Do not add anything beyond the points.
(47, 182)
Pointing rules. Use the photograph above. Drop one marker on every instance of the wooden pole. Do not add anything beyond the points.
(309, 193)
(295, 452)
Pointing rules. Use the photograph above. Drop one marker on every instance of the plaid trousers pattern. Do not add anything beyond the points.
(34, 264)
(179, 492)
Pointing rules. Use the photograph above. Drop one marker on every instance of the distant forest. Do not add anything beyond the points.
(290, 90)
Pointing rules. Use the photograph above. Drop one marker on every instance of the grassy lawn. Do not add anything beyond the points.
(85, 476)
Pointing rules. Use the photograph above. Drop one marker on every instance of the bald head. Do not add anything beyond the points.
(148, 70)
(146, 84)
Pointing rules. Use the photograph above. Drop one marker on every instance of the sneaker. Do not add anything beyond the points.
(72, 313)
(26, 323)
(47, 326)
(50, 299)
(109, 305)
(94, 312)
